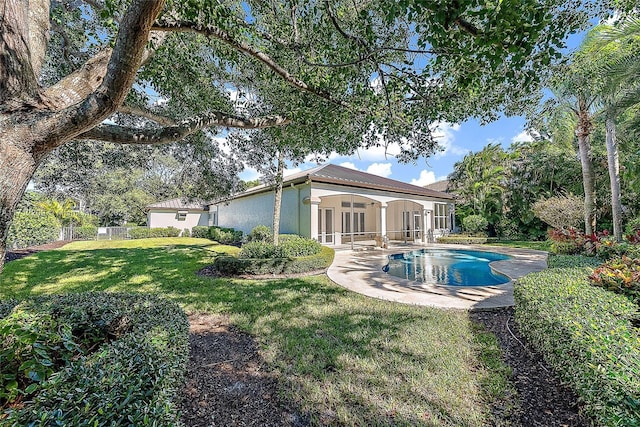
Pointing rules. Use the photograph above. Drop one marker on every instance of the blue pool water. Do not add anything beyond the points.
(450, 267)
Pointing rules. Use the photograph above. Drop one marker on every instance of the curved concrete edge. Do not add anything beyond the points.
(361, 271)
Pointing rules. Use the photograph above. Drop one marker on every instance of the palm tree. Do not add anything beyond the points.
(64, 211)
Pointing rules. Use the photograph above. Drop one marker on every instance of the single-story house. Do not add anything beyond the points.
(334, 205)
(177, 213)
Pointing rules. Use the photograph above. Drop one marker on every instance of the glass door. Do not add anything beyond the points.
(325, 225)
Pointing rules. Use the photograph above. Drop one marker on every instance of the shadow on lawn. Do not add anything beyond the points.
(345, 359)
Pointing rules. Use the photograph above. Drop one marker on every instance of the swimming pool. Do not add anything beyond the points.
(451, 267)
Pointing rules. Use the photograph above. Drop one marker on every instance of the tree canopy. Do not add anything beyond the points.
(355, 73)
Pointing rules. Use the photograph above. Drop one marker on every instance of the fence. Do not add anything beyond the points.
(103, 233)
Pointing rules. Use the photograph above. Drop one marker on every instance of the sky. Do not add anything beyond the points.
(456, 139)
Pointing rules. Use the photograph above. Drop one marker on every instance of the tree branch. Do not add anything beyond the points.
(126, 135)
(219, 34)
(150, 115)
(124, 62)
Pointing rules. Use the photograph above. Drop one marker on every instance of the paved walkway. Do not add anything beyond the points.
(361, 271)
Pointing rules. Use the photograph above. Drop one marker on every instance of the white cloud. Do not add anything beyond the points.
(249, 174)
(444, 134)
(380, 169)
(349, 165)
(426, 177)
(523, 136)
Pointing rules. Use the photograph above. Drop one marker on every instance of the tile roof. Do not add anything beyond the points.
(439, 185)
(178, 204)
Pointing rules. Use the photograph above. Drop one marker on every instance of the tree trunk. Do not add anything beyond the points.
(583, 131)
(277, 203)
(17, 166)
(614, 175)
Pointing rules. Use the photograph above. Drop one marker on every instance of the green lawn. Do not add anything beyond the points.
(343, 358)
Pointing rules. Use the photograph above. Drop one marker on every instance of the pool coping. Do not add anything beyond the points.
(361, 271)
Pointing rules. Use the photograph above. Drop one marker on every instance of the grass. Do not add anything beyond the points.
(343, 359)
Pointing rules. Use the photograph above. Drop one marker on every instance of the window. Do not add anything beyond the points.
(440, 216)
(356, 205)
(182, 215)
(357, 225)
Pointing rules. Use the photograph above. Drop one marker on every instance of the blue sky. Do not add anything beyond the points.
(457, 140)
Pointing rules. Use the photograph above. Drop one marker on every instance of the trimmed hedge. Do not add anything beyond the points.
(222, 235)
(587, 335)
(200, 231)
(129, 357)
(145, 232)
(291, 245)
(232, 266)
(466, 240)
(86, 232)
(32, 228)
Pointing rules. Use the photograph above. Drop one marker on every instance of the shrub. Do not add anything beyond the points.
(145, 232)
(564, 211)
(475, 224)
(466, 240)
(200, 231)
(30, 229)
(231, 266)
(86, 232)
(296, 246)
(586, 334)
(633, 226)
(261, 250)
(130, 356)
(186, 233)
(225, 236)
(620, 275)
(260, 233)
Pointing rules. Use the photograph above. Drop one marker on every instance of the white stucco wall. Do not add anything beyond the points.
(169, 218)
(257, 209)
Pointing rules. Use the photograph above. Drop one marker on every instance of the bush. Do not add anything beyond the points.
(587, 335)
(261, 250)
(562, 212)
(466, 240)
(231, 266)
(225, 236)
(200, 231)
(30, 229)
(186, 233)
(620, 275)
(296, 246)
(86, 232)
(146, 233)
(475, 224)
(260, 233)
(119, 359)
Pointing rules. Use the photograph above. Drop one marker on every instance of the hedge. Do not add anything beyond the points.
(587, 335)
(200, 231)
(145, 232)
(231, 266)
(85, 232)
(466, 240)
(32, 228)
(222, 235)
(119, 359)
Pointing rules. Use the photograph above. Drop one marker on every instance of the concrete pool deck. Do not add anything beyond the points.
(361, 271)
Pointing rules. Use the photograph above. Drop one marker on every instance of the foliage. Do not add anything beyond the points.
(586, 334)
(475, 223)
(85, 232)
(232, 266)
(260, 233)
(200, 231)
(297, 246)
(562, 211)
(607, 248)
(186, 233)
(466, 240)
(620, 275)
(145, 232)
(261, 250)
(130, 353)
(225, 236)
(33, 228)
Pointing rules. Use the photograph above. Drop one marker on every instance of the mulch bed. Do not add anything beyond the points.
(21, 253)
(542, 399)
(227, 381)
